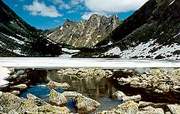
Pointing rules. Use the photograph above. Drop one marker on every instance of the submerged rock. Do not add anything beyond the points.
(56, 85)
(56, 98)
(85, 105)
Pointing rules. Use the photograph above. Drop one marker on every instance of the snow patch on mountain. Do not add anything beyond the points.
(14, 39)
(114, 51)
(70, 50)
(150, 49)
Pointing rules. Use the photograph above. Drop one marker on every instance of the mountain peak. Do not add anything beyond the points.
(85, 33)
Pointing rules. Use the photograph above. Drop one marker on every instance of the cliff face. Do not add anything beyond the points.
(17, 38)
(152, 32)
(85, 34)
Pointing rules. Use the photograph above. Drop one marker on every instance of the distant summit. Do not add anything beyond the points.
(84, 34)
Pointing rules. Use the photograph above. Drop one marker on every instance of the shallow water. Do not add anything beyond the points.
(101, 93)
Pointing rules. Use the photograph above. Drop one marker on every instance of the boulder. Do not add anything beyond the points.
(71, 94)
(12, 112)
(56, 98)
(132, 98)
(151, 110)
(129, 107)
(121, 96)
(15, 92)
(28, 106)
(38, 101)
(56, 85)
(9, 102)
(85, 105)
(49, 109)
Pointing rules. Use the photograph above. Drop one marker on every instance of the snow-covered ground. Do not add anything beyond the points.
(113, 51)
(55, 63)
(68, 53)
(4, 73)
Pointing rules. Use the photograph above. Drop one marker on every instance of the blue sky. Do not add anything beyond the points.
(45, 14)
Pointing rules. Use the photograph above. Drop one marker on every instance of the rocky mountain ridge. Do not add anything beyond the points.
(152, 32)
(86, 33)
(157, 37)
(17, 38)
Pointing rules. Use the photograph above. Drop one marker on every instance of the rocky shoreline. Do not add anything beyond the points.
(152, 91)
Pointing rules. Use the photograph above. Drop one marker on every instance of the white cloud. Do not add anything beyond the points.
(61, 4)
(87, 15)
(41, 9)
(76, 2)
(114, 6)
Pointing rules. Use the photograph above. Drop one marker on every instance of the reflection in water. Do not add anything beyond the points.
(98, 89)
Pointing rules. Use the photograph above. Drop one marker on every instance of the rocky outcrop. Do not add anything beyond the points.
(131, 107)
(151, 32)
(157, 84)
(12, 104)
(82, 73)
(17, 38)
(84, 34)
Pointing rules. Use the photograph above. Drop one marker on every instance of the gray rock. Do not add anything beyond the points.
(56, 98)
(86, 105)
(56, 85)
(12, 112)
(20, 86)
(9, 102)
(121, 96)
(151, 110)
(15, 92)
(71, 94)
(129, 107)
